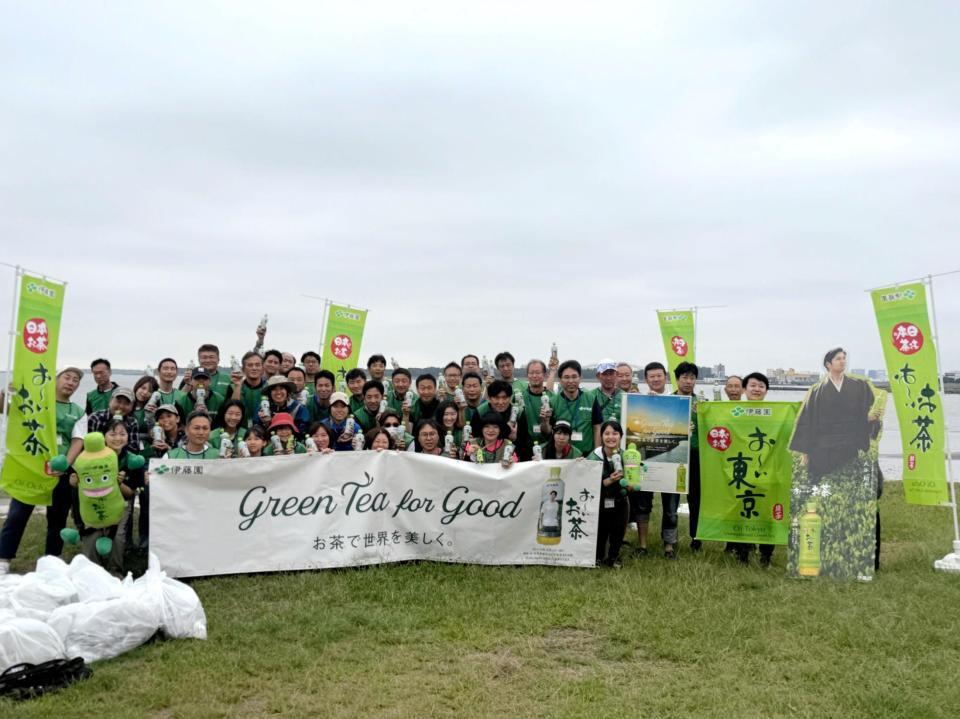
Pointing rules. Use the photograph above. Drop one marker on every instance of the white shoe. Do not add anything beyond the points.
(4, 567)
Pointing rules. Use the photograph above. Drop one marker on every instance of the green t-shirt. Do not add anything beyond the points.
(98, 401)
(68, 413)
(182, 453)
(579, 413)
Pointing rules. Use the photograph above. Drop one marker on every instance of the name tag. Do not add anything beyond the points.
(576, 437)
(536, 430)
(609, 503)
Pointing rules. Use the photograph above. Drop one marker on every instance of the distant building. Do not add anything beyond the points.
(719, 371)
(877, 375)
(859, 372)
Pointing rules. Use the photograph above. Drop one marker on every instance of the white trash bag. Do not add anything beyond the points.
(39, 593)
(98, 630)
(93, 582)
(28, 640)
(183, 616)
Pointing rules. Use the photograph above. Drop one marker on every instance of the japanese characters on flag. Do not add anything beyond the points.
(341, 343)
(676, 327)
(316, 511)
(31, 437)
(911, 360)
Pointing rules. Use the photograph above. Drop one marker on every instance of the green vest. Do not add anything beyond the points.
(221, 383)
(251, 396)
(67, 415)
(579, 413)
(609, 406)
(181, 453)
(217, 434)
(531, 410)
(98, 401)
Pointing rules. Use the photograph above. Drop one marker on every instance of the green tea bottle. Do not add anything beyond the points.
(632, 461)
(811, 525)
(551, 509)
(682, 478)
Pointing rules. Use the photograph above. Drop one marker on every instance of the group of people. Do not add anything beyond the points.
(268, 403)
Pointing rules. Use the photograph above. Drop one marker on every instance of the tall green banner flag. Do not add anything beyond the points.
(32, 418)
(745, 470)
(676, 326)
(911, 359)
(341, 343)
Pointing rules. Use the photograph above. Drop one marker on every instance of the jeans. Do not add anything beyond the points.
(19, 515)
(642, 505)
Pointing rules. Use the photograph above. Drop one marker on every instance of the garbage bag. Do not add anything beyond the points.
(41, 592)
(98, 630)
(28, 640)
(182, 613)
(93, 582)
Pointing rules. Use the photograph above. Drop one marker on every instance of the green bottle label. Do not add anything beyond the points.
(681, 478)
(811, 525)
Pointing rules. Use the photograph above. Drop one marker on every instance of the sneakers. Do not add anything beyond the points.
(670, 554)
(4, 567)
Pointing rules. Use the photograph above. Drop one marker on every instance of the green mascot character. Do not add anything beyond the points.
(98, 488)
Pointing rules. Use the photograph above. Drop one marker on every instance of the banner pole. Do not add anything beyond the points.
(323, 326)
(951, 562)
(8, 371)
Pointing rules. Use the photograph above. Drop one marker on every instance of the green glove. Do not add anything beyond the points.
(59, 464)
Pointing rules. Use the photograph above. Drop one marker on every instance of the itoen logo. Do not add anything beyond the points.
(42, 289)
(674, 318)
(345, 315)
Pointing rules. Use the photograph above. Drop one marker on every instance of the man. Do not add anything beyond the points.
(625, 378)
(311, 365)
(499, 402)
(573, 405)
(426, 403)
(607, 399)
(99, 397)
(167, 372)
(299, 379)
(208, 357)
(471, 363)
(355, 378)
(377, 369)
(189, 399)
(505, 362)
(71, 427)
(287, 362)
(248, 385)
(533, 395)
(319, 404)
(367, 415)
(121, 404)
(733, 388)
(452, 376)
(473, 393)
(655, 377)
(755, 386)
(279, 390)
(272, 359)
(686, 374)
(641, 503)
(195, 445)
(836, 420)
(400, 382)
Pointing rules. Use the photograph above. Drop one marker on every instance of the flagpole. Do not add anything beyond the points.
(17, 272)
(951, 562)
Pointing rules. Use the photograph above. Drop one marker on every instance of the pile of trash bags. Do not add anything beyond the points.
(72, 610)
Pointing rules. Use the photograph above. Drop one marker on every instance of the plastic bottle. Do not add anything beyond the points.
(358, 442)
(304, 397)
(191, 365)
(225, 446)
(277, 444)
(394, 364)
(514, 412)
(507, 459)
(234, 364)
(351, 426)
(263, 323)
(547, 531)
(466, 435)
(537, 452)
(157, 433)
(459, 397)
(310, 444)
(148, 371)
(553, 352)
(544, 401)
(716, 392)
(811, 526)
(448, 441)
(201, 396)
(383, 406)
(617, 461)
(682, 478)
(242, 449)
(632, 467)
(265, 407)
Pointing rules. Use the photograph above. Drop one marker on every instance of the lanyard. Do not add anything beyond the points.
(576, 410)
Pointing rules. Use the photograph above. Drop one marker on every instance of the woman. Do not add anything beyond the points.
(448, 417)
(558, 446)
(493, 445)
(231, 423)
(614, 507)
(168, 420)
(426, 438)
(256, 440)
(283, 428)
(195, 446)
(378, 439)
(337, 422)
(142, 392)
(322, 439)
(390, 420)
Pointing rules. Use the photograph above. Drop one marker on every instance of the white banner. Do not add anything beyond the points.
(312, 511)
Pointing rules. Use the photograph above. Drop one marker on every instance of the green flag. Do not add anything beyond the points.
(745, 470)
(341, 345)
(676, 326)
(32, 419)
(911, 359)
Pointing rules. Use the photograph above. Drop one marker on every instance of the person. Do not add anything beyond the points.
(121, 403)
(168, 420)
(625, 378)
(425, 404)
(686, 374)
(319, 404)
(278, 391)
(71, 428)
(733, 388)
(195, 445)
(322, 438)
(500, 401)
(283, 428)
(248, 384)
(614, 507)
(473, 394)
(574, 405)
(533, 395)
(143, 411)
(377, 368)
(505, 363)
(558, 444)
(451, 378)
(392, 422)
(311, 365)
(755, 387)
(378, 439)
(355, 380)
(400, 382)
(448, 418)
(272, 359)
(471, 363)
(607, 398)
(208, 357)
(190, 395)
(836, 420)
(655, 377)
(98, 399)
(287, 362)
(256, 441)
(493, 445)
(366, 416)
(427, 438)
(299, 379)
(230, 423)
(167, 372)
(337, 422)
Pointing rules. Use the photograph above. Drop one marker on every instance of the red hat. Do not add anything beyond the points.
(282, 419)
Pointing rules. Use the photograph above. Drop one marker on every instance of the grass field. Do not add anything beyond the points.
(699, 637)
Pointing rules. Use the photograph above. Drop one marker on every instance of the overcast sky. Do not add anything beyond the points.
(482, 176)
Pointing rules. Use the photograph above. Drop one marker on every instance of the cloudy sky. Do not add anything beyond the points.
(482, 176)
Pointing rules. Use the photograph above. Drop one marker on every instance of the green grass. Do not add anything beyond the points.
(701, 637)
